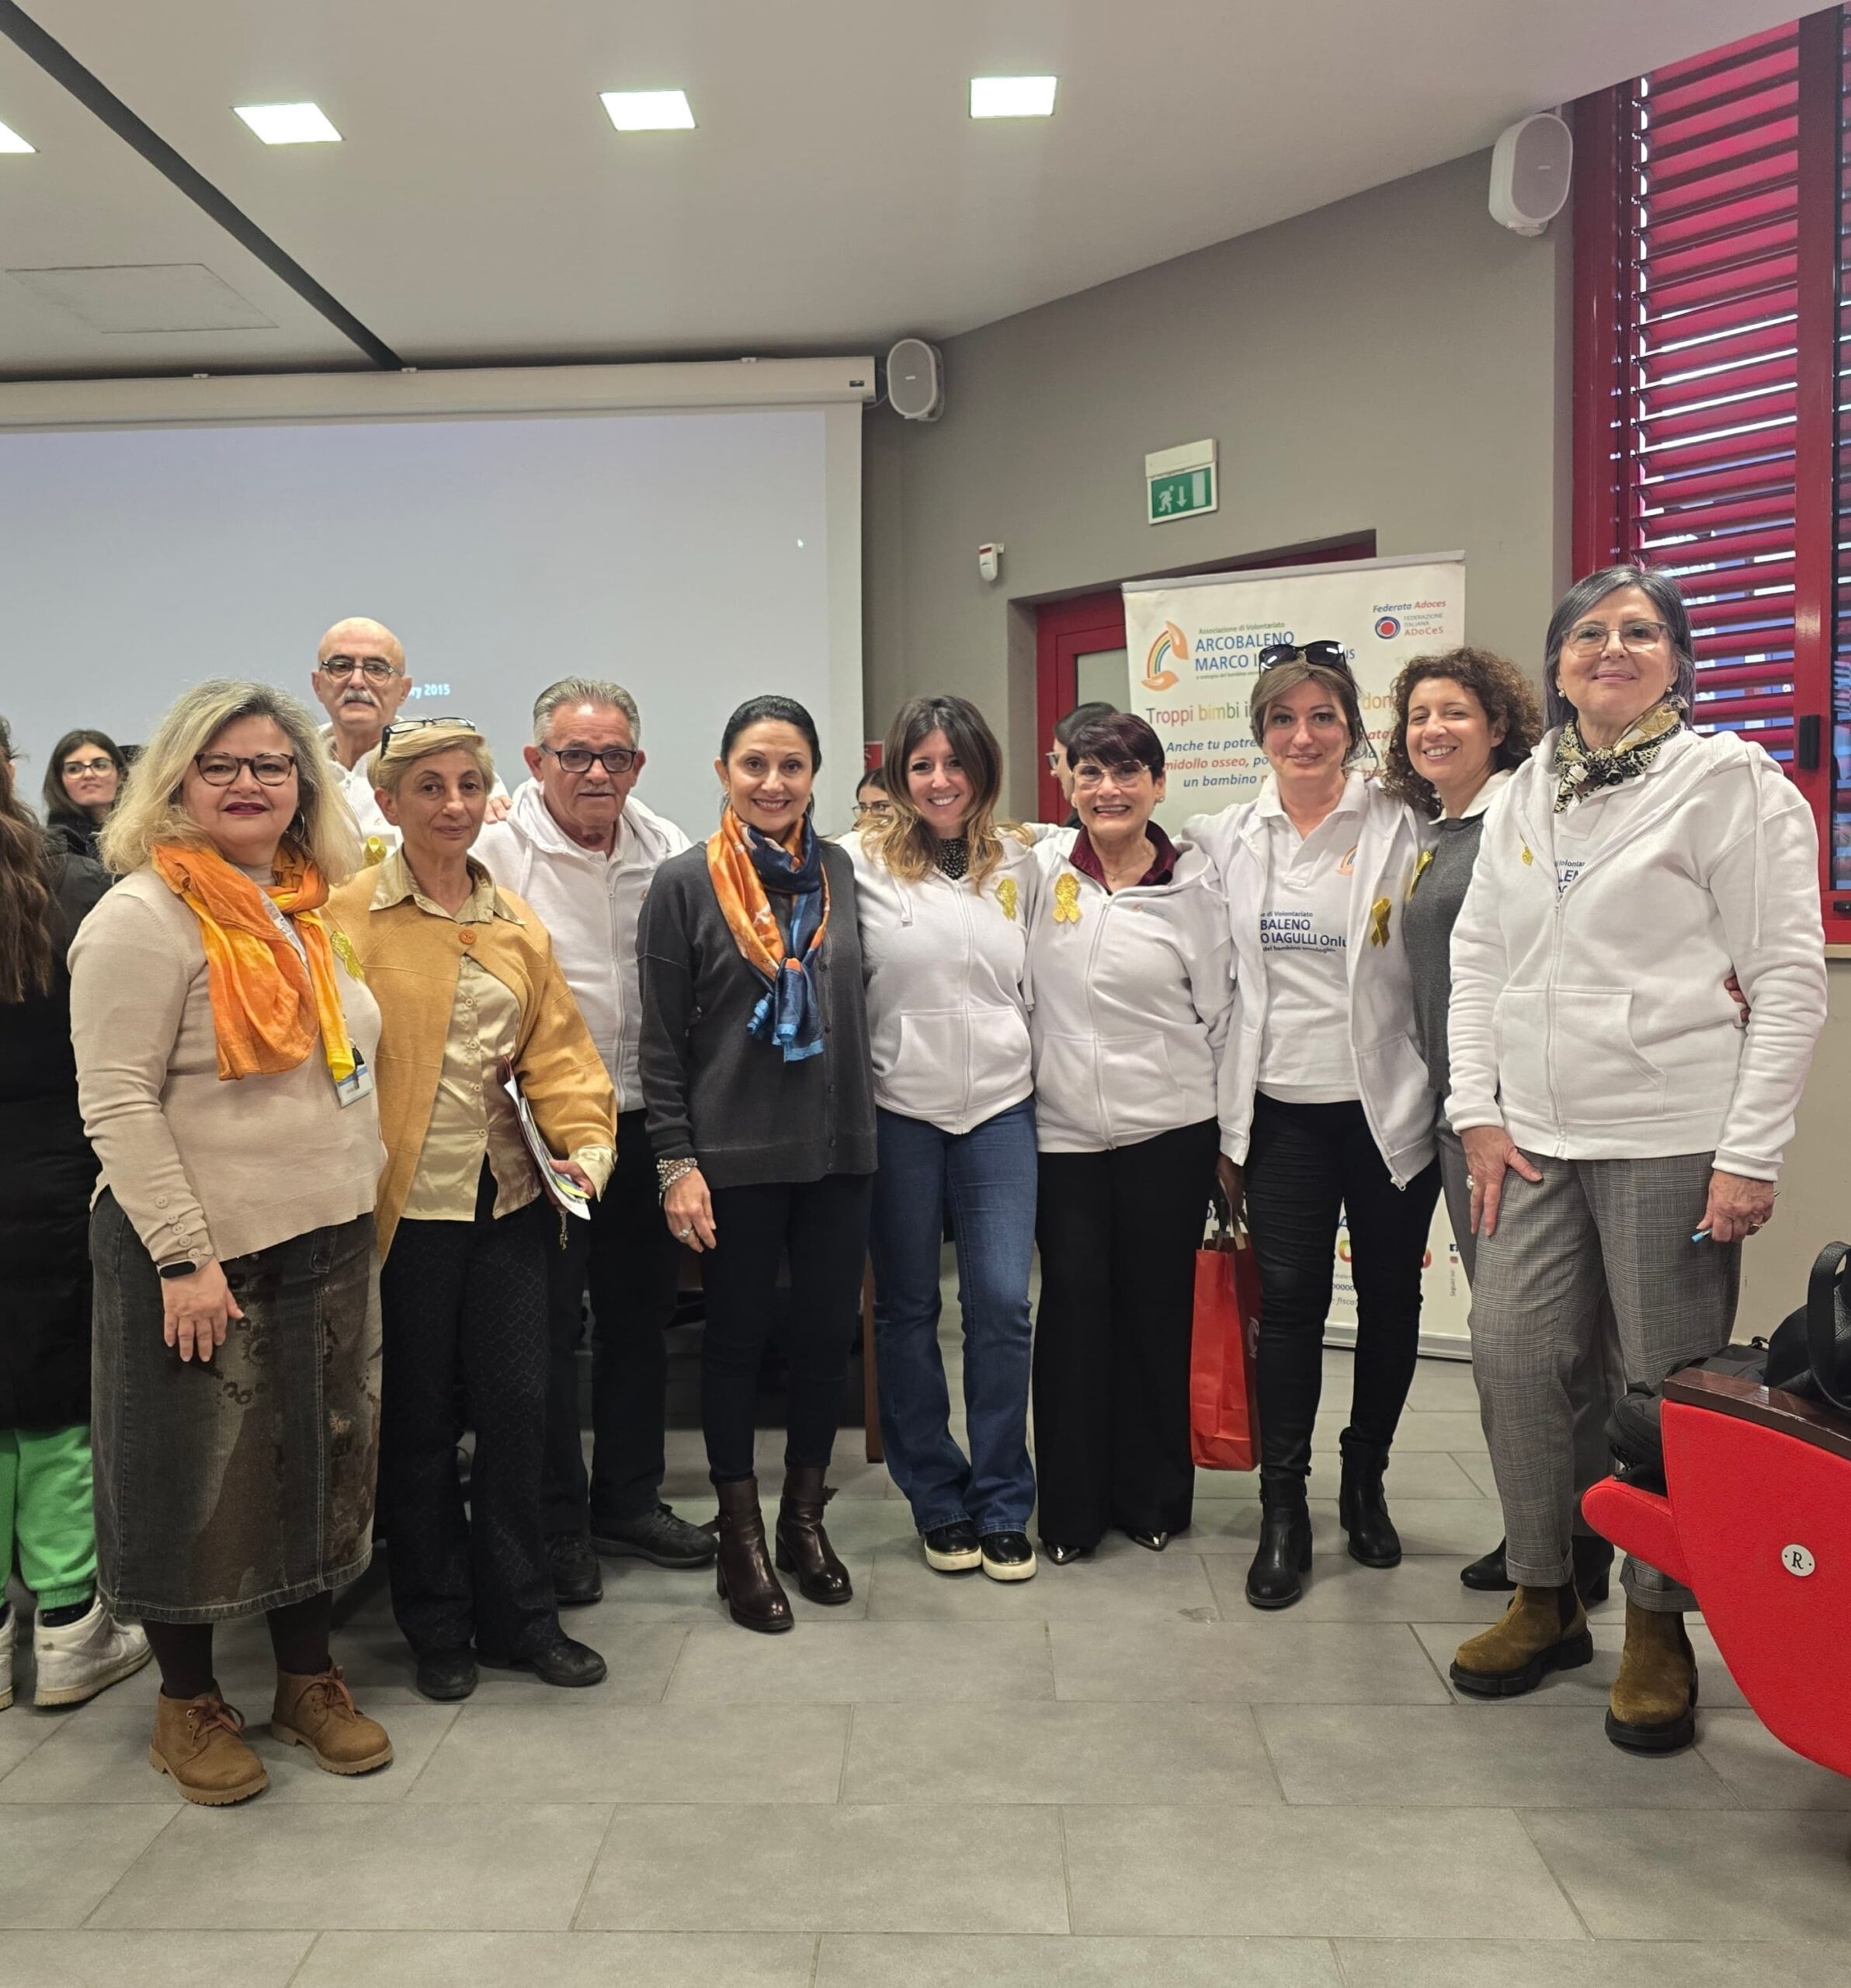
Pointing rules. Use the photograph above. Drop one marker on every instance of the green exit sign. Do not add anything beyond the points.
(1180, 483)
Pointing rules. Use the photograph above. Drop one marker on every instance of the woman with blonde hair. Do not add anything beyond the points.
(224, 1049)
(945, 899)
(472, 1000)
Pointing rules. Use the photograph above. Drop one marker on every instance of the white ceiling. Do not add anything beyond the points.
(482, 209)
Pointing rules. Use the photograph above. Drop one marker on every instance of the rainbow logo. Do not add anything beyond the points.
(1171, 643)
(1387, 628)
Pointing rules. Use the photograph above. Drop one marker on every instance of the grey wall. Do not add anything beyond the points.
(1397, 362)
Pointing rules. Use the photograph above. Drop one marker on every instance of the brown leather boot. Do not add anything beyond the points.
(743, 1578)
(1543, 1629)
(198, 1741)
(803, 1547)
(319, 1713)
(1653, 1708)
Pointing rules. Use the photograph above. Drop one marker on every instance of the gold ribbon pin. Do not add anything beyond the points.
(1066, 900)
(1527, 856)
(1005, 896)
(1378, 922)
(344, 952)
(1420, 870)
(375, 851)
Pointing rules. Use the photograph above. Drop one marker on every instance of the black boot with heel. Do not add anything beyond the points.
(743, 1579)
(803, 1547)
(1362, 1510)
(1285, 1545)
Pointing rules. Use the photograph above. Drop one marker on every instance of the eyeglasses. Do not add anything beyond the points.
(1591, 637)
(1329, 653)
(374, 669)
(71, 768)
(873, 808)
(421, 724)
(1128, 773)
(1055, 759)
(616, 760)
(267, 768)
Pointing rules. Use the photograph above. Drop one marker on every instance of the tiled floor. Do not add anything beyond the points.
(1117, 1774)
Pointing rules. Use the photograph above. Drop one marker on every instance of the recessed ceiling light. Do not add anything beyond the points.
(1013, 96)
(648, 110)
(290, 123)
(11, 141)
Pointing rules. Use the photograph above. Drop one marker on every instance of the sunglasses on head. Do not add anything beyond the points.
(1329, 653)
(400, 726)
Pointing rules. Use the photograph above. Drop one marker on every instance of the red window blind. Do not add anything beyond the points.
(1711, 312)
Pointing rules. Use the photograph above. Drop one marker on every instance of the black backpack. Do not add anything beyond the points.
(1809, 1356)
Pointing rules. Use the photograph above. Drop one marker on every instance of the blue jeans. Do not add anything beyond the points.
(987, 1177)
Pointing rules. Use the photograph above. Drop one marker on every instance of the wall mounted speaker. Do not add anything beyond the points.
(1531, 166)
(915, 380)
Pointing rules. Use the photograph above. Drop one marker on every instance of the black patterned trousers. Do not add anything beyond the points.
(467, 1300)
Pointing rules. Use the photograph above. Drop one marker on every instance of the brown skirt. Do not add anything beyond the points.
(245, 1483)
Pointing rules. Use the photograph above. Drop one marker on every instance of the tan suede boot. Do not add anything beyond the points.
(1653, 1709)
(319, 1713)
(198, 1742)
(1543, 1629)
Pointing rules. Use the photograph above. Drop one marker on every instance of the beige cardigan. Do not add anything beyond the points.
(202, 1167)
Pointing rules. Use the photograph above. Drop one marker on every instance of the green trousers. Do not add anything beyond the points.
(46, 1513)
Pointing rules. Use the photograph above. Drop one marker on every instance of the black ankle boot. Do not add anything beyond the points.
(1285, 1546)
(1362, 1511)
(1593, 1561)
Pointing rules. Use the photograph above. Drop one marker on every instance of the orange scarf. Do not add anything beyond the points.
(268, 1006)
(789, 1017)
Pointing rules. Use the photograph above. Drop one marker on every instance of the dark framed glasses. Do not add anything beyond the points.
(616, 760)
(421, 725)
(222, 769)
(1329, 653)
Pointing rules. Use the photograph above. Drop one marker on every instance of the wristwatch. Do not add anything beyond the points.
(185, 1267)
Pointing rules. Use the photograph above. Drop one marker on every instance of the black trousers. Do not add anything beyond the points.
(1118, 1233)
(467, 1300)
(627, 1257)
(1306, 1163)
(822, 1226)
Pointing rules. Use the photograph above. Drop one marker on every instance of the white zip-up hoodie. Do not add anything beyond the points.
(1391, 1078)
(1132, 999)
(1592, 1022)
(590, 904)
(947, 987)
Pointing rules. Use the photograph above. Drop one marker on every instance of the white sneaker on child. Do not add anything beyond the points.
(9, 1631)
(78, 1660)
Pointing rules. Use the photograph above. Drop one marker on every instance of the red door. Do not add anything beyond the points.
(1079, 656)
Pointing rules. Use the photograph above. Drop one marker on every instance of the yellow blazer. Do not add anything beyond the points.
(411, 961)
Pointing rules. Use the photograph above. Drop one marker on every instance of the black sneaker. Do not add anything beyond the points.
(1008, 1556)
(577, 1579)
(565, 1662)
(658, 1537)
(952, 1549)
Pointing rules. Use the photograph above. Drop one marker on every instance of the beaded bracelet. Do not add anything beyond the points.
(668, 1171)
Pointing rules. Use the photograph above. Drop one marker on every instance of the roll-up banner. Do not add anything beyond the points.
(1193, 647)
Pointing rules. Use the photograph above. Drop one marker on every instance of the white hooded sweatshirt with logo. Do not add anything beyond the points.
(590, 904)
(1589, 1018)
(1391, 1078)
(947, 987)
(1133, 997)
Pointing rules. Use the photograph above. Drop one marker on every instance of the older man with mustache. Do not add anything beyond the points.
(361, 680)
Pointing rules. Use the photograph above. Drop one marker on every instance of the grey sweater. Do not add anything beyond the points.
(1427, 929)
(714, 1092)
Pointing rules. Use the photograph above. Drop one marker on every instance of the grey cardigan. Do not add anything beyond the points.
(714, 1092)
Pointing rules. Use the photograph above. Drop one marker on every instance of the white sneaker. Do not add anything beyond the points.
(9, 1631)
(78, 1660)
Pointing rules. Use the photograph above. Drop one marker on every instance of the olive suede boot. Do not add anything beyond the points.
(319, 1713)
(200, 1742)
(1543, 1629)
(1653, 1708)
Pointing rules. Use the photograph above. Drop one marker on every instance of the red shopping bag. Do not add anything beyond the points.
(1223, 1412)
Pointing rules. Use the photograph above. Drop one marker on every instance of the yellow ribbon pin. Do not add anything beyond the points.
(344, 952)
(1066, 900)
(1420, 870)
(1378, 922)
(1005, 896)
(375, 851)
(1527, 856)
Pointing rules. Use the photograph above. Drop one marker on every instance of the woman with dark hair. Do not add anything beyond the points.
(945, 899)
(1128, 950)
(1463, 722)
(83, 780)
(1332, 1114)
(1623, 1130)
(224, 1051)
(755, 1071)
(48, 1522)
